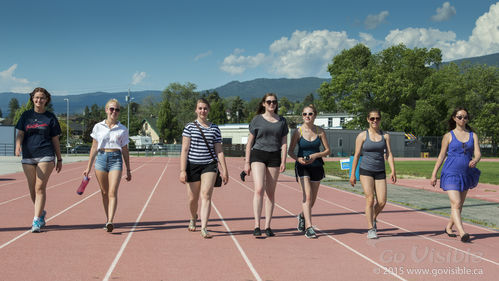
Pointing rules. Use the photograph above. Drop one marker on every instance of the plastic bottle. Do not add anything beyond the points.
(83, 184)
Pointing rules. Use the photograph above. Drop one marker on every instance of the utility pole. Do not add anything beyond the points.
(67, 125)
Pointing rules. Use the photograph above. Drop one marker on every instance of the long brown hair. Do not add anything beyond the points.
(261, 108)
(452, 122)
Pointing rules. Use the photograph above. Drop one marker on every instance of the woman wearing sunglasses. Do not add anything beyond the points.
(309, 165)
(266, 152)
(459, 173)
(372, 144)
(109, 145)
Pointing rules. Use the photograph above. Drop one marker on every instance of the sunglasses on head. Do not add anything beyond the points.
(374, 118)
(271, 102)
(112, 109)
(462, 117)
(309, 114)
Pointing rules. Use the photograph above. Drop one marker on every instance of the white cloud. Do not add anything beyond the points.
(372, 21)
(237, 64)
(138, 77)
(10, 83)
(369, 40)
(203, 55)
(444, 13)
(483, 40)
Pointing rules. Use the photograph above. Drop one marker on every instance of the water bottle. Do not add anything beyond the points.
(83, 184)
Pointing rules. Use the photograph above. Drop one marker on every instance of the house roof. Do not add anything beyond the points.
(152, 123)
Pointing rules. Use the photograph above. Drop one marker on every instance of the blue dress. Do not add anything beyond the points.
(456, 174)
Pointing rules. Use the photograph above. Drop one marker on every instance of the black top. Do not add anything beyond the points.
(38, 128)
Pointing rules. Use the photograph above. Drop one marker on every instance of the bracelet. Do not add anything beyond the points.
(59, 160)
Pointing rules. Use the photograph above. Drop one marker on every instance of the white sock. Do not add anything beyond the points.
(36, 218)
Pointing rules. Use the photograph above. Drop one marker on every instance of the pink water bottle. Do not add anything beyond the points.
(83, 184)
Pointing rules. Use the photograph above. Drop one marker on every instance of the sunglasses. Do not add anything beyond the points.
(112, 109)
(374, 118)
(269, 102)
(309, 114)
(462, 117)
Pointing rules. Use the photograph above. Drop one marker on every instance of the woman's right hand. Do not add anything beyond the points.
(247, 168)
(18, 150)
(86, 172)
(353, 180)
(433, 181)
(183, 177)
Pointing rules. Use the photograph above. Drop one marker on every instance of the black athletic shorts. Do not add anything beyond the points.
(270, 159)
(314, 173)
(194, 170)
(376, 175)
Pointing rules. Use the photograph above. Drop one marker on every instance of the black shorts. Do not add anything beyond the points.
(315, 173)
(194, 170)
(376, 175)
(270, 159)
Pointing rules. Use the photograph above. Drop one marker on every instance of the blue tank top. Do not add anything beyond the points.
(373, 154)
(306, 147)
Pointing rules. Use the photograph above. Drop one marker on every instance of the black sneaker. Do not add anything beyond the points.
(269, 232)
(257, 232)
(301, 223)
(310, 233)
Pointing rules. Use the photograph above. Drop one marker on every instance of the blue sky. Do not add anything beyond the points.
(72, 47)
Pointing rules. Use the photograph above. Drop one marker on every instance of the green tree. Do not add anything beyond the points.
(237, 111)
(13, 107)
(167, 124)
(182, 100)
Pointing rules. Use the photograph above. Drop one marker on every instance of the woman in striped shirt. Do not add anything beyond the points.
(199, 164)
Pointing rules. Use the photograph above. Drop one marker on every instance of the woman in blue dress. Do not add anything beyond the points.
(459, 173)
(309, 165)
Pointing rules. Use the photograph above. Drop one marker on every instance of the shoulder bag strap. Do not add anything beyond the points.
(205, 141)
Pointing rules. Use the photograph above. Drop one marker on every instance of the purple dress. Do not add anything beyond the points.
(456, 174)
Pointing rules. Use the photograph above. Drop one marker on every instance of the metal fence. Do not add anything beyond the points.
(7, 149)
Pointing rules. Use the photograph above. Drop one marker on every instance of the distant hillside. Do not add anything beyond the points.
(294, 89)
(490, 60)
(291, 88)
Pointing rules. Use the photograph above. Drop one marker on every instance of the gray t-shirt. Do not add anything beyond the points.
(373, 154)
(268, 135)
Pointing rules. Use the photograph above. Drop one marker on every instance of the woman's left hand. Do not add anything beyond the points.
(58, 166)
(225, 177)
(393, 176)
(128, 175)
(282, 168)
(472, 163)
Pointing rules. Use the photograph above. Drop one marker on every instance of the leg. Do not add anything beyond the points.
(380, 187)
(456, 202)
(207, 182)
(258, 170)
(114, 177)
(270, 182)
(30, 173)
(102, 178)
(368, 187)
(43, 171)
(306, 200)
(193, 189)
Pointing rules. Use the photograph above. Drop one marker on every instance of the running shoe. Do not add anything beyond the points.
(257, 232)
(371, 234)
(269, 232)
(301, 223)
(310, 233)
(42, 218)
(36, 226)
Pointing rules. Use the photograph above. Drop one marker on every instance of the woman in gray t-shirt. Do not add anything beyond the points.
(266, 152)
(373, 144)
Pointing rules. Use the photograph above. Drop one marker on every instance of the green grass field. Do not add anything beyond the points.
(423, 169)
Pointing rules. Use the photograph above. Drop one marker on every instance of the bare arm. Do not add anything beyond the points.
(91, 158)
(249, 144)
(19, 141)
(221, 159)
(126, 157)
(359, 141)
(284, 153)
(477, 155)
(186, 142)
(292, 145)
(391, 161)
(441, 157)
(326, 150)
(57, 148)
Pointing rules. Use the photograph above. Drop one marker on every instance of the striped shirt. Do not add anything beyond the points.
(198, 152)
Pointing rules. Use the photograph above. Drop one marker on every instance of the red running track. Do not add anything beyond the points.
(151, 241)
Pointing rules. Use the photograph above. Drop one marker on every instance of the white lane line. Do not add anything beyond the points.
(245, 257)
(339, 242)
(48, 188)
(56, 215)
(400, 227)
(129, 236)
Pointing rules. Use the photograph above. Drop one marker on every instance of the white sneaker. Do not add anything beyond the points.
(371, 234)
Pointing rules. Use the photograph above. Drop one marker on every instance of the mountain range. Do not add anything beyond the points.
(293, 89)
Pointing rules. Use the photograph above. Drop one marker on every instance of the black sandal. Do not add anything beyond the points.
(449, 234)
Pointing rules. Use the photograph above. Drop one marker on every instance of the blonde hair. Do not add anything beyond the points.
(311, 106)
(113, 101)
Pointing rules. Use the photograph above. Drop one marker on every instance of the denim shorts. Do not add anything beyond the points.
(109, 161)
(35, 161)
